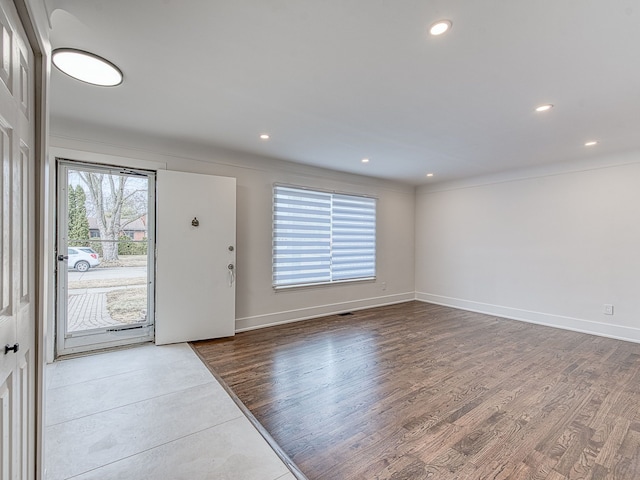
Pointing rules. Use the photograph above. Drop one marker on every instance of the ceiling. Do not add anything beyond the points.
(336, 81)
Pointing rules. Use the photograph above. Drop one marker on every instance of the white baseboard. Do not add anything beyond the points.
(566, 323)
(279, 318)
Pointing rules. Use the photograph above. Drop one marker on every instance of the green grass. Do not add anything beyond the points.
(127, 305)
(126, 261)
(107, 282)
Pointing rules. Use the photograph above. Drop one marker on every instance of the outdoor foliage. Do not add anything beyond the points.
(97, 246)
(126, 246)
(78, 223)
(110, 198)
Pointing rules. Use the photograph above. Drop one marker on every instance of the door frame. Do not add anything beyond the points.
(100, 340)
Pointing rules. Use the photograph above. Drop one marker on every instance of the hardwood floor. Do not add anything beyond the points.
(420, 391)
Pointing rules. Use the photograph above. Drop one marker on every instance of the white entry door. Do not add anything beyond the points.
(195, 262)
(17, 250)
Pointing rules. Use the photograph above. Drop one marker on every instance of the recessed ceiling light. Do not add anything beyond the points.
(264, 136)
(591, 143)
(544, 108)
(440, 27)
(429, 174)
(87, 67)
(365, 160)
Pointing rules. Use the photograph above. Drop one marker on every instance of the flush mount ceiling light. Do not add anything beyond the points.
(440, 27)
(429, 175)
(87, 67)
(365, 160)
(264, 136)
(590, 143)
(544, 108)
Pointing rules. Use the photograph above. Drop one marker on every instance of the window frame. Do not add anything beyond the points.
(332, 217)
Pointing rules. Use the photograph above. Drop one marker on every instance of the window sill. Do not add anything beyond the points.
(323, 284)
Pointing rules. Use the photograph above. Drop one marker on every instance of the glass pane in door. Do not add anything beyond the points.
(105, 277)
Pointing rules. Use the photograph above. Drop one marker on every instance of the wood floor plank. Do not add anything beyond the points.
(556, 476)
(420, 391)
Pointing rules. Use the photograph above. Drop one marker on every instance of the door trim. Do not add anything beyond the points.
(78, 343)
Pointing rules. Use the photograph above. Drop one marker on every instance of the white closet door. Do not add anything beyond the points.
(17, 250)
(196, 236)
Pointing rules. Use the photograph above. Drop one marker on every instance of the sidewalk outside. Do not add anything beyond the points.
(88, 296)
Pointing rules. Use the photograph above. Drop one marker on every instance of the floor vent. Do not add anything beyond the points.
(345, 314)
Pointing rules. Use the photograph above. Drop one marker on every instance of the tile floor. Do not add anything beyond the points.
(149, 413)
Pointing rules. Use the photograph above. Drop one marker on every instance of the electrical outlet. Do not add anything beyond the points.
(608, 309)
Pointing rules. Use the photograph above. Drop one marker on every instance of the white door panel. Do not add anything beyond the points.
(195, 264)
(17, 250)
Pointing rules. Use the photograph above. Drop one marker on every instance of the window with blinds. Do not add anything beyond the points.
(322, 237)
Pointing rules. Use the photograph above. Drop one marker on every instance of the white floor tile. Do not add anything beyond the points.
(92, 367)
(149, 413)
(94, 396)
(81, 445)
(232, 451)
(287, 476)
(49, 375)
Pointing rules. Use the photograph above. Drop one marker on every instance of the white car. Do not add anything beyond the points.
(82, 258)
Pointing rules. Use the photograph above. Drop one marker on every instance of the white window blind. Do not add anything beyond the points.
(321, 237)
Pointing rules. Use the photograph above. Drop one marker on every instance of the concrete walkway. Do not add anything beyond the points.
(88, 311)
(87, 305)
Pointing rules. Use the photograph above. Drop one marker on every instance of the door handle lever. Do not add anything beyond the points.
(232, 273)
(8, 348)
(61, 258)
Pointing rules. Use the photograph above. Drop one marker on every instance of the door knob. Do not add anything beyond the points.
(62, 258)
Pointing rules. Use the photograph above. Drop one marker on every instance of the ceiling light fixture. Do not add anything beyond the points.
(429, 174)
(365, 160)
(544, 108)
(87, 67)
(440, 27)
(264, 136)
(591, 143)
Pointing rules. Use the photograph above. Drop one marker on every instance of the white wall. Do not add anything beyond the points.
(550, 249)
(257, 303)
